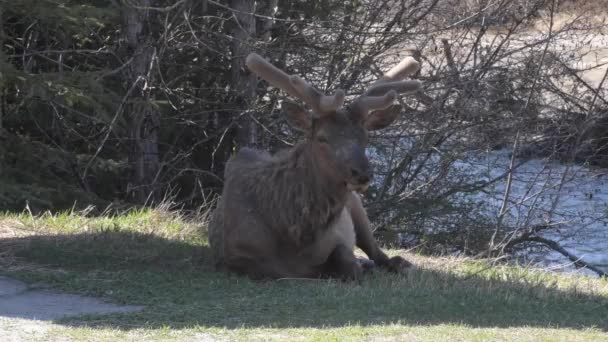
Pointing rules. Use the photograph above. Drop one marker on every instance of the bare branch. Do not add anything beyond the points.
(578, 262)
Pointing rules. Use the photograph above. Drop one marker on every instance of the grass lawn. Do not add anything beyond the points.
(160, 260)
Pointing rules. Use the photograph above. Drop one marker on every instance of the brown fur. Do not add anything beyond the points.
(276, 212)
(301, 197)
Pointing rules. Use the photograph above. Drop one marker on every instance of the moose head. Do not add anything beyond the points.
(338, 133)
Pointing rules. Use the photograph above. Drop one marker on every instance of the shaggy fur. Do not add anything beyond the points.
(282, 216)
(301, 199)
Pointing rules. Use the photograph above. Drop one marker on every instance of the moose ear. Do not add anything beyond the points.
(297, 116)
(381, 118)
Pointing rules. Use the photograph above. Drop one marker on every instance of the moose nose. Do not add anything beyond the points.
(361, 177)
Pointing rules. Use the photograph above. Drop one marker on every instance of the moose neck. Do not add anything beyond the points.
(325, 182)
(302, 193)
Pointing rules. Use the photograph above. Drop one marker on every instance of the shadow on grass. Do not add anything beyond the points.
(175, 282)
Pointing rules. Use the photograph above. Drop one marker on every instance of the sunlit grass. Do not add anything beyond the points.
(159, 221)
(159, 259)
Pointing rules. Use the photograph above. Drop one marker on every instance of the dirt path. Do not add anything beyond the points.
(17, 300)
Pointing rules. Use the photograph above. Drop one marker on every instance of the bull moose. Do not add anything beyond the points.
(297, 214)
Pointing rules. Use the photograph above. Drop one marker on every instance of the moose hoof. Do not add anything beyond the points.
(366, 264)
(398, 265)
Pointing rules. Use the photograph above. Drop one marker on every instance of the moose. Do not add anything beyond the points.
(297, 214)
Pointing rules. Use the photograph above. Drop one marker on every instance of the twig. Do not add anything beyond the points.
(157, 9)
(115, 71)
(303, 279)
(447, 49)
(503, 208)
(51, 51)
(597, 92)
(578, 262)
(470, 17)
(105, 138)
(215, 3)
(574, 75)
(505, 200)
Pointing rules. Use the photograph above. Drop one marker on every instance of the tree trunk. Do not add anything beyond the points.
(267, 11)
(2, 85)
(243, 82)
(144, 120)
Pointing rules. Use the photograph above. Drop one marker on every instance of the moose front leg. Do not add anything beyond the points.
(366, 241)
(343, 264)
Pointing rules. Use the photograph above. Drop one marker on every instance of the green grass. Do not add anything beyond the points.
(159, 259)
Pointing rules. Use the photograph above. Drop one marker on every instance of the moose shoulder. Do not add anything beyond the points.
(297, 213)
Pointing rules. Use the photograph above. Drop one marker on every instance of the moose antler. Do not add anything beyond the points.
(383, 92)
(320, 103)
